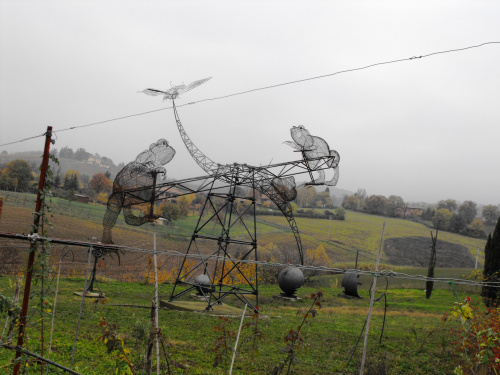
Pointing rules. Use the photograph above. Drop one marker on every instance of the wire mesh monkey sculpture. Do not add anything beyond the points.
(142, 172)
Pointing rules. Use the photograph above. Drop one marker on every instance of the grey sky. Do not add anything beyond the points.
(426, 129)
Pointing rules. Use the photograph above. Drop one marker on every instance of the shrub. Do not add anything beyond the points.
(477, 338)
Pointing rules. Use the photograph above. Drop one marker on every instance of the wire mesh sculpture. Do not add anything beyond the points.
(175, 91)
(141, 173)
(313, 147)
(225, 235)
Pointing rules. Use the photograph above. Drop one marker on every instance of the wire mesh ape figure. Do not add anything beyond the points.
(142, 172)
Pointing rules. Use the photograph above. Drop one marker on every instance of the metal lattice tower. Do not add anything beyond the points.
(219, 268)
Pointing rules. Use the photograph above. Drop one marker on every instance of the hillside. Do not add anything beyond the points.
(362, 232)
(406, 243)
(64, 163)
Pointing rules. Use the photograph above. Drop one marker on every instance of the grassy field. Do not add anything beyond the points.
(414, 341)
(362, 232)
(341, 239)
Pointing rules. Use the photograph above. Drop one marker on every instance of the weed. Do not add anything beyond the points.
(115, 346)
(294, 340)
(222, 345)
(477, 338)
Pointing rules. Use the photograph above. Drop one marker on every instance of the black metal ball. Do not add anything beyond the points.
(290, 279)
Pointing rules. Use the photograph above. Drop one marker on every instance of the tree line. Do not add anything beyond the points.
(20, 175)
(82, 155)
(446, 215)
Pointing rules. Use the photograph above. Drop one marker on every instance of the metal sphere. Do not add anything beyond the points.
(290, 279)
(202, 282)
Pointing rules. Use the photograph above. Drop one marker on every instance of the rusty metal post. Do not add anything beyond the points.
(1, 205)
(31, 258)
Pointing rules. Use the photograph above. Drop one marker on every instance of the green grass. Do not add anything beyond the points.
(362, 232)
(414, 340)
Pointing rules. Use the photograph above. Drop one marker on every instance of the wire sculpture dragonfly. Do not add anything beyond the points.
(175, 91)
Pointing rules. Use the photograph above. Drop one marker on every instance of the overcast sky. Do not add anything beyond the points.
(426, 129)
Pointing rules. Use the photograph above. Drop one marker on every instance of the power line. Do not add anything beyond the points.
(385, 273)
(23, 140)
(261, 88)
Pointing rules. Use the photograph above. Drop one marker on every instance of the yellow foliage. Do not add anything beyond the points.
(69, 174)
(317, 257)
(462, 311)
(102, 198)
(164, 275)
(477, 225)
(188, 198)
(246, 272)
(266, 252)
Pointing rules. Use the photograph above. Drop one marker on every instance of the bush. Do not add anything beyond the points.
(477, 339)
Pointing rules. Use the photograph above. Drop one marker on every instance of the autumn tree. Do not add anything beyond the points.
(305, 196)
(316, 258)
(66, 152)
(81, 155)
(490, 214)
(183, 203)
(395, 206)
(73, 172)
(322, 200)
(457, 224)
(198, 201)
(107, 161)
(170, 211)
(99, 183)
(376, 204)
(351, 202)
(449, 204)
(361, 194)
(442, 218)
(16, 176)
(491, 271)
(468, 210)
(476, 229)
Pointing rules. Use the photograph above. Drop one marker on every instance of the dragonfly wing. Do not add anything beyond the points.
(194, 84)
(153, 92)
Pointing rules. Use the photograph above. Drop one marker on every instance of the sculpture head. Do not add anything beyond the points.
(302, 137)
(158, 154)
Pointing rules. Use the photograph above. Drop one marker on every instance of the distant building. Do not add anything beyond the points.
(416, 211)
(82, 198)
(96, 160)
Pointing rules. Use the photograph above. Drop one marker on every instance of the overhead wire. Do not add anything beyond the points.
(201, 257)
(261, 88)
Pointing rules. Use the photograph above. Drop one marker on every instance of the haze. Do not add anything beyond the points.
(425, 129)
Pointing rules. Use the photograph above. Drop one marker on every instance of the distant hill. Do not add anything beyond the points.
(336, 193)
(64, 163)
(84, 168)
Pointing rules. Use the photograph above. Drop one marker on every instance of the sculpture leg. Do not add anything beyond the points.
(114, 207)
(131, 219)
